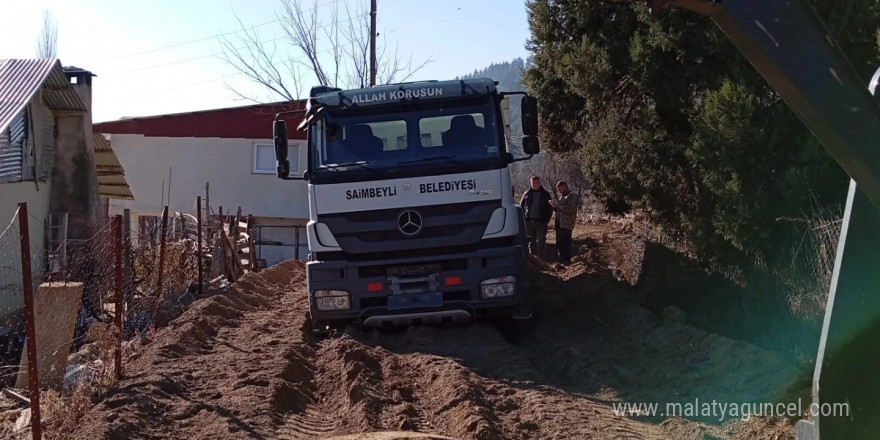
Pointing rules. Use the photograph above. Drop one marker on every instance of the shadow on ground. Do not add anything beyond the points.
(590, 337)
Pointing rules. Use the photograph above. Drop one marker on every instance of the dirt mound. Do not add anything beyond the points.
(206, 375)
(242, 364)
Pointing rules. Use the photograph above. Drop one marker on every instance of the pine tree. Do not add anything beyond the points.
(667, 116)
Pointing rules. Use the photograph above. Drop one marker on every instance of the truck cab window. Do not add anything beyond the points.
(454, 131)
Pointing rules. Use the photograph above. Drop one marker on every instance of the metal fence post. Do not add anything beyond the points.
(199, 241)
(163, 235)
(128, 268)
(208, 213)
(30, 325)
(296, 241)
(120, 308)
(160, 276)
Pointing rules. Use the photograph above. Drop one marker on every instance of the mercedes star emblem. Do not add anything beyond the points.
(409, 222)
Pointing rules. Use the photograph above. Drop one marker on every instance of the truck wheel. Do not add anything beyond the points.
(321, 327)
(513, 330)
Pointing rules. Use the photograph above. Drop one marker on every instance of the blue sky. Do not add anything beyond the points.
(149, 59)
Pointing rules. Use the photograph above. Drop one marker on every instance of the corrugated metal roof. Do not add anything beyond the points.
(249, 122)
(105, 159)
(20, 80)
(111, 175)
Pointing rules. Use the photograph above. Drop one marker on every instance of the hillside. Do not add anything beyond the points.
(509, 77)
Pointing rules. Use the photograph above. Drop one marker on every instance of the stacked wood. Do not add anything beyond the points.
(237, 247)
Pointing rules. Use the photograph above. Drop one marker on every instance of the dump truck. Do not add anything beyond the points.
(412, 213)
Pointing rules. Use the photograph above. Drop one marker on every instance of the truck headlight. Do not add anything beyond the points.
(498, 287)
(332, 300)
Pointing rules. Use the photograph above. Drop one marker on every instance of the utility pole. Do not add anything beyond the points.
(372, 43)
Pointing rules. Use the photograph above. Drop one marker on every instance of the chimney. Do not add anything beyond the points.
(81, 80)
(75, 177)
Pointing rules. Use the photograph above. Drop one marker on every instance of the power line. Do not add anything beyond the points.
(199, 40)
(286, 60)
(186, 86)
(156, 66)
(187, 60)
(171, 46)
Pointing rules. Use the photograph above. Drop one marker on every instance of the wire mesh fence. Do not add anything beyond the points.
(11, 300)
(91, 294)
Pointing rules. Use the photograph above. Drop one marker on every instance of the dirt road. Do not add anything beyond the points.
(241, 365)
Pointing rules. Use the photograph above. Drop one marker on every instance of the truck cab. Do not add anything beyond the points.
(412, 212)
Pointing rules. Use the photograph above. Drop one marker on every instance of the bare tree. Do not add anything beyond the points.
(47, 43)
(334, 53)
(551, 168)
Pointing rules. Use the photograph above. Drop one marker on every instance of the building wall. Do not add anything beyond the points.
(37, 198)
(226, 164)
(37, 193)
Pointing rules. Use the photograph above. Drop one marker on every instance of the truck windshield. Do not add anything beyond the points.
(458, 134)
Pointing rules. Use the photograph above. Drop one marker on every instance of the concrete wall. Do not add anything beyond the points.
(74, 175)
(227, 164)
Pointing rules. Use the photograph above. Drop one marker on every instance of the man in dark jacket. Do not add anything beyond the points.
(535, 203)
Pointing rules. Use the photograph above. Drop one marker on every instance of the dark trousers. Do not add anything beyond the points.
(537, 232)
(563, 244)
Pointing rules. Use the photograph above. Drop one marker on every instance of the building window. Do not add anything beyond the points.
(264, 158)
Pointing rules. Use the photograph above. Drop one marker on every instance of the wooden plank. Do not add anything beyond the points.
(228, 264)
(18, 397)
(237, 268)
(237, 220)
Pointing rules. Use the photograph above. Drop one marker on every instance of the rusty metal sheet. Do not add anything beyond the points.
(21, 80)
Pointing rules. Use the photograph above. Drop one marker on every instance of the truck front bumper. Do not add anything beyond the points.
(437, 288)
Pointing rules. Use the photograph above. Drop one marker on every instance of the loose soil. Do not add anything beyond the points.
(242, 364)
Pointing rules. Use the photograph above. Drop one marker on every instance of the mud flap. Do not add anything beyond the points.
(522, 311)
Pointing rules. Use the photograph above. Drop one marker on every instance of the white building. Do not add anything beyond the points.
(227, 157)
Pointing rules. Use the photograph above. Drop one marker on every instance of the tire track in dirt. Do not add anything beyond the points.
(240, 364)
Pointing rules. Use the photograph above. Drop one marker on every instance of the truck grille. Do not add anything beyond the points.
(443, 225)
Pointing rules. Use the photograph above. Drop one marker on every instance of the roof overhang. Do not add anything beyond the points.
(111, 175)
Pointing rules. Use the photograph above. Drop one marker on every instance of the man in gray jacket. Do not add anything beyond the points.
(566, 216)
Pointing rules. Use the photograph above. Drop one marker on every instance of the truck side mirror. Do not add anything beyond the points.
(530, 145)
(283, 166)
(529, 116)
